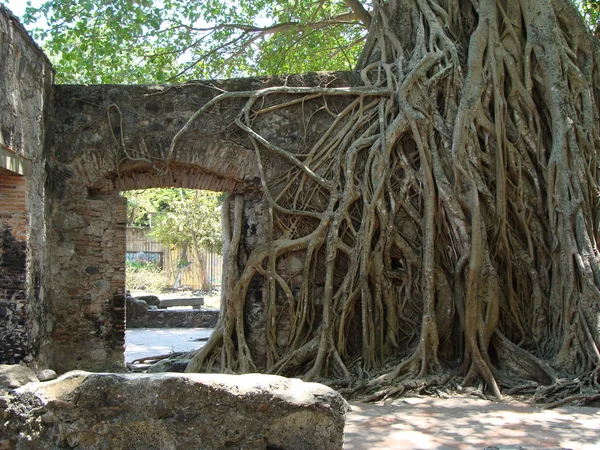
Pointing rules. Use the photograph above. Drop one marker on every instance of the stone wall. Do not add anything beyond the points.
(87, 278)
(107, 139)
(139, 316)
(26, 78)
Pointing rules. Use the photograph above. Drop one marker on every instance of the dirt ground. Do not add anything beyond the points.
(464, 423)
(456, 423)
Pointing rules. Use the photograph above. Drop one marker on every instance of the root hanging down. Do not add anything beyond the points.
(445, 222)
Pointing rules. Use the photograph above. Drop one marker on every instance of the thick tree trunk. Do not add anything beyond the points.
(459, 234)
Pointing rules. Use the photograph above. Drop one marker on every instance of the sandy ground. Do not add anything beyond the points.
(457, 423)
(463, 423)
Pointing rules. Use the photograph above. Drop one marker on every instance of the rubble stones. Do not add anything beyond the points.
(46, 375)
(140, 315)
(134, 308)
(151, 300)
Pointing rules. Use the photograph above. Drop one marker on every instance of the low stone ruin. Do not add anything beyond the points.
(150, 312)
(172, 411)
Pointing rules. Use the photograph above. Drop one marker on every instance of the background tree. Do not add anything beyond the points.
(447, 222)
(186, 218)
(143, 204)
(146, 41)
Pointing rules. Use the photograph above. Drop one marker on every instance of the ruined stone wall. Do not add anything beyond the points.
(13, 265)
(106, 139)
(65, 154)
(87, 218)
(26, 79)
(86, 278)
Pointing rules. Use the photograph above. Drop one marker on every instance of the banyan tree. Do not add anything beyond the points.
(445, 223)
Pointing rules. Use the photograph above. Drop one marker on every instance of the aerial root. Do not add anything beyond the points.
(441, 385)
(424, 217)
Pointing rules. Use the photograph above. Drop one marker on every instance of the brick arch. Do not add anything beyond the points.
(204, 169)
(178, 175)
(110, 131)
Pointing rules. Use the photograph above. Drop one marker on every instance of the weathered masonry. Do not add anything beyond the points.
(65, 154)
(26, 79)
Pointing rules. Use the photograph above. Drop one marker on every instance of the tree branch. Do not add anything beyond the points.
(280, 27)
(360, 11)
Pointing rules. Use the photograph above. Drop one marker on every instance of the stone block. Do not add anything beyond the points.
(46, 375)
(178, 411)
(151, 300)
(195, 302)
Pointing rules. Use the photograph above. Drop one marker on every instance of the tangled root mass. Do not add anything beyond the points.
(445, 223)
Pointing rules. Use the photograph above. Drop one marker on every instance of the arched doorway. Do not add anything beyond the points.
(99, 149)
(173, 271)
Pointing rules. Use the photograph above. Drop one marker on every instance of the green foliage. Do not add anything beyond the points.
(143, 204)
(590, 10)
(149, 41)
(179, 217)
(195, 219)
(142, 41)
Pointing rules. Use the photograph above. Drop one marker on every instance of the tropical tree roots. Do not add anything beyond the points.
(445, 223)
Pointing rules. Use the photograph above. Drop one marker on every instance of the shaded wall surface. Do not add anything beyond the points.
(26, 79)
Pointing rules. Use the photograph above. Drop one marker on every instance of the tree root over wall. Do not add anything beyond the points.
(446, 221)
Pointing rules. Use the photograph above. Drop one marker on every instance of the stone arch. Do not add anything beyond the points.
(105, 138)
(89, 167)
(84, 143)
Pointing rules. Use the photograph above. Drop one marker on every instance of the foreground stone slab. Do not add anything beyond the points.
(174, 411)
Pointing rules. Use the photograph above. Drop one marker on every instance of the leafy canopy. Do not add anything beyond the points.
(157, 41)
(142, 205)
(143, 41)
(180, 217)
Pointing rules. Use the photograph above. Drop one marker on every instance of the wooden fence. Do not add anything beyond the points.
(184, 269)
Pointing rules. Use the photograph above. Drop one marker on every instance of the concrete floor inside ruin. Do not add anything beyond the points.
(145, 342)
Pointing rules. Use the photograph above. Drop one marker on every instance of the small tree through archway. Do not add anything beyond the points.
(186, 222)
(174, 243)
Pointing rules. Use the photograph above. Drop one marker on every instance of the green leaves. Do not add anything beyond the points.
(590, 9)
(147, 41)
(179, 216)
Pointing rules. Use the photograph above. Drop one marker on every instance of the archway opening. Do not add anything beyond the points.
(174, 270)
